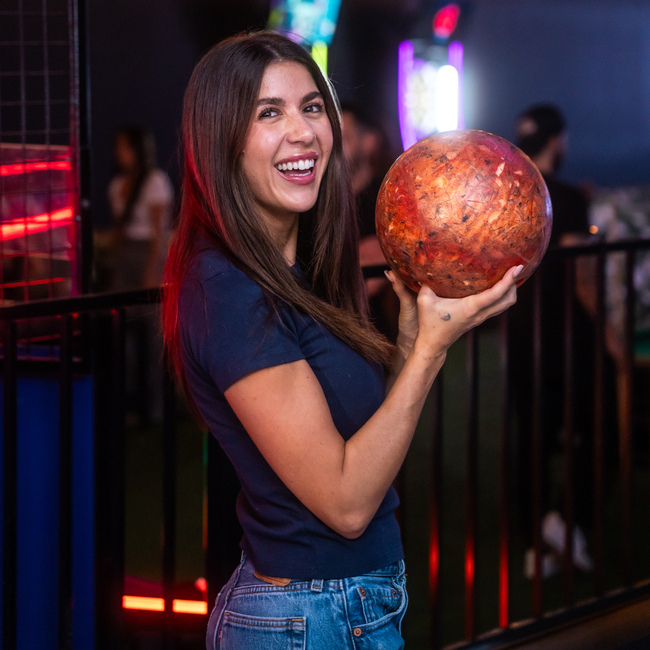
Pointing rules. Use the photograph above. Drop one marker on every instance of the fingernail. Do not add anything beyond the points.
(388, 275)
(518, 270)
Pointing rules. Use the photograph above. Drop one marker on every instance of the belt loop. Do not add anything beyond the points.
(317, 585)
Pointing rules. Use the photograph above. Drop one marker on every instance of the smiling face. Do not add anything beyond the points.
(287, 146)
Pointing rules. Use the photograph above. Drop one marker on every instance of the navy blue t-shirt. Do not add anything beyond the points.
(226, 332)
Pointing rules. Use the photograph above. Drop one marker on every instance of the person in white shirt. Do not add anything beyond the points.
(141, 198)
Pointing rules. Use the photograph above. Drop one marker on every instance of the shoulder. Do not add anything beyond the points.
(158, 185)
(570, 208)
(562, 191)
(210, 268)
(214, 290)
(226, 325)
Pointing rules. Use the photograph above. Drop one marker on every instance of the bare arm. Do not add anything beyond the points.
(150, 278)
(586, 292)
(285, 412)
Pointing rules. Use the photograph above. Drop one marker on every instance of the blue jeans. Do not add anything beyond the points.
(360, 613)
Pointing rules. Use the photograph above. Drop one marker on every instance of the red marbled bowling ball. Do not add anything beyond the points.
(458, 209)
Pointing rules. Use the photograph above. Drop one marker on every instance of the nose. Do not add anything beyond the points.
(299, 129)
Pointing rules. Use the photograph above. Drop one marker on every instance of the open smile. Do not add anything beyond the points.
(299, 169)
(304, 166)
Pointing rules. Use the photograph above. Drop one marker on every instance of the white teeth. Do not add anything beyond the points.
(294, 166)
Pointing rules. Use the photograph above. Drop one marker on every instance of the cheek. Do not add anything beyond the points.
(326, 144)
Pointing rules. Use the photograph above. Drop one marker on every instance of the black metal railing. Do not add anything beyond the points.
(467, 572)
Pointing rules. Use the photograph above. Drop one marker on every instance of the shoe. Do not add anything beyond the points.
(550, 564)
(554, 534)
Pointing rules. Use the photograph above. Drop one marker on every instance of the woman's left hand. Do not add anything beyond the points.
(408, 312)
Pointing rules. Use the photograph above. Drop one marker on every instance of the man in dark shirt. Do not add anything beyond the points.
(541, 133)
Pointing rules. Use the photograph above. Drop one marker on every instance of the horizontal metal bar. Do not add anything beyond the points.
(78, 304)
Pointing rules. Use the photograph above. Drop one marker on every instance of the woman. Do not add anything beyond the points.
(141, 198)
(265, 321)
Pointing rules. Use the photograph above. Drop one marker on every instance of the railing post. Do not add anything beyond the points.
(65, 483)
(10, 486)
(169, 506)
(536, 458)
(625, 434)
(504, 477)
(599, 414)
(435, 516)
(568, 427)
(471, 485)
(109, 465)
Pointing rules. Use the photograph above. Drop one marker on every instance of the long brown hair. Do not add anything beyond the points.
(216, 202)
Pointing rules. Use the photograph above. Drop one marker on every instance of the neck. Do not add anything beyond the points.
(285, 236)
(545, 162)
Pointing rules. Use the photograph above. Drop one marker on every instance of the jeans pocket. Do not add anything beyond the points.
(378, 602)
(240, 631)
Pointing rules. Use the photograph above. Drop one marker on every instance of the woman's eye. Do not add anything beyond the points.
(268, 112)
(315, 107)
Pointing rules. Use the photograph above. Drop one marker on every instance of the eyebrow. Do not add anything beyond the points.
(278, 101)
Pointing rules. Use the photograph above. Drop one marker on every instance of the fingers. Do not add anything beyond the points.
(501, 295)
(408, 311)
(399, 287)
(488, 303)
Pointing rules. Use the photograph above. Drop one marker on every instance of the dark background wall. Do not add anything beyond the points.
(591, 57)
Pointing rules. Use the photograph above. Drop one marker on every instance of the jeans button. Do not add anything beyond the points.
(362, 591)
(357, 631)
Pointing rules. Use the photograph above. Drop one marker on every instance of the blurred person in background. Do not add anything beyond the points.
(541, 133)
(367, 149)
(141, 198)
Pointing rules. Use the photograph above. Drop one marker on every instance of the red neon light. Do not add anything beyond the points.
(32, 283)
(36, 223)
(434, 563)
(179, 605)
(503, 586)
(143, 603)
(27, 168)
(446, 20)
(189, 606)
(469, 567)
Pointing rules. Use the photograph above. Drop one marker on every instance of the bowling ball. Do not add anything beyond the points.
(456, 210)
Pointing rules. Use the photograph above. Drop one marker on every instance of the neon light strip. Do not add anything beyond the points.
(32, 283)
(189, 606)
(179, 606)
(143, 603)
(27, 168)
(35, 224)
(405, 56)
(455, 55)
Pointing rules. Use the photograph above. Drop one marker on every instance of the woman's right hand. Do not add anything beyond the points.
(442, 321)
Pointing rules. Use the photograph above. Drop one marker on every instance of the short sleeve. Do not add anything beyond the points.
(158, 189)
(229, 331)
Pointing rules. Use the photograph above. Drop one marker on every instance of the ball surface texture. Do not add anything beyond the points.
(458, 209)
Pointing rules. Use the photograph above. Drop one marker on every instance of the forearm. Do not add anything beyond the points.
(373, 456)
(284, 410)
(401, 351)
